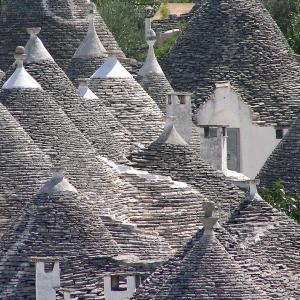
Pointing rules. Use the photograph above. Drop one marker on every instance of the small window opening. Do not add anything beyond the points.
(169, 99)
(224, 131)
(48, 267)
(210, 132)
(279, 134)
(181, 99)
(118, 283)
(138, 281)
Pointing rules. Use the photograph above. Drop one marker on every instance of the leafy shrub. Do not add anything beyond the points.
(277, 197)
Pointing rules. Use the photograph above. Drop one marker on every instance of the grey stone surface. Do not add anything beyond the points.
(70, 226)
(157, 86)
(237, 41)
(23, 168)
(183, 163)
(284, 162)
(101, 128)
(64, 25)
(131, 105)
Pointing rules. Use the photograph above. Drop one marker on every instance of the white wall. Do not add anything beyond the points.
(256, 142)
(119, 295)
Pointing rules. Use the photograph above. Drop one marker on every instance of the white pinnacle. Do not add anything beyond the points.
(112, 68)
(91, 45)
(21, 79)
(35, 49)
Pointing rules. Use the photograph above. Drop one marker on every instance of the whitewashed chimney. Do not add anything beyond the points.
(121, 286)
(253, 188)
(179, 105)
(46, 281)
(213, 147)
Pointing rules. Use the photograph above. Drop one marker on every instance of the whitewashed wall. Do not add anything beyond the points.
(256, 142)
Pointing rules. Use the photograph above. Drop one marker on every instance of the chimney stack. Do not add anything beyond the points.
(214, 146)
(179, 105)
(46, 281)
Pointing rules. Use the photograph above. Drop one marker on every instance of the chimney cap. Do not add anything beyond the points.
(180, 94)
(46, 259)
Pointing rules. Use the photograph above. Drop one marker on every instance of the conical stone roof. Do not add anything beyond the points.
(102, 129)
(265, 243)
(60, 222)
(182, 163)
(203, 269)
(152, 78)
(23, 168)
(57, 136)
(127, 100)
(284, 163)
(237, 41)
(64, 25)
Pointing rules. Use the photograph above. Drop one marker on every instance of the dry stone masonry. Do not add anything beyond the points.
(100, 199)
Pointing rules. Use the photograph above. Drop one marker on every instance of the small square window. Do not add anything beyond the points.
(279, 134)
(118, 283)
(210, 132)
(181, 99)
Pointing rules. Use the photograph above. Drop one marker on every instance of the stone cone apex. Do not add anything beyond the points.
(170, 134)
(151, 65)
(21, 79)
(112, 68)
(91, 45)
(57, 184)
(35, 49)
(84, 90)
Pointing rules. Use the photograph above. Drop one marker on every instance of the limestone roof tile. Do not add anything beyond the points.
(128, 102)
(64, 25)
(102, 129)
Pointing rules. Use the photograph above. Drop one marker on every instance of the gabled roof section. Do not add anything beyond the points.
(20, 79)
(237, 41)
(35, 49)
(112, 68)
(284, 163)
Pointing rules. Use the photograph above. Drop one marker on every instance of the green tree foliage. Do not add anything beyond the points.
(287, 15)
(125, 19)
(277, 197)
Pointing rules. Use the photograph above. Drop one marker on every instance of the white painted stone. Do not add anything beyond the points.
(57, 184)
(214, 149)
(120, 295)
(257, 142)
(21, 79)
(35, 49)
(163, 37)
(179, 106)
(47, 282)
(112, 68)
(151, 65)
(84, 90)
(91, 45)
